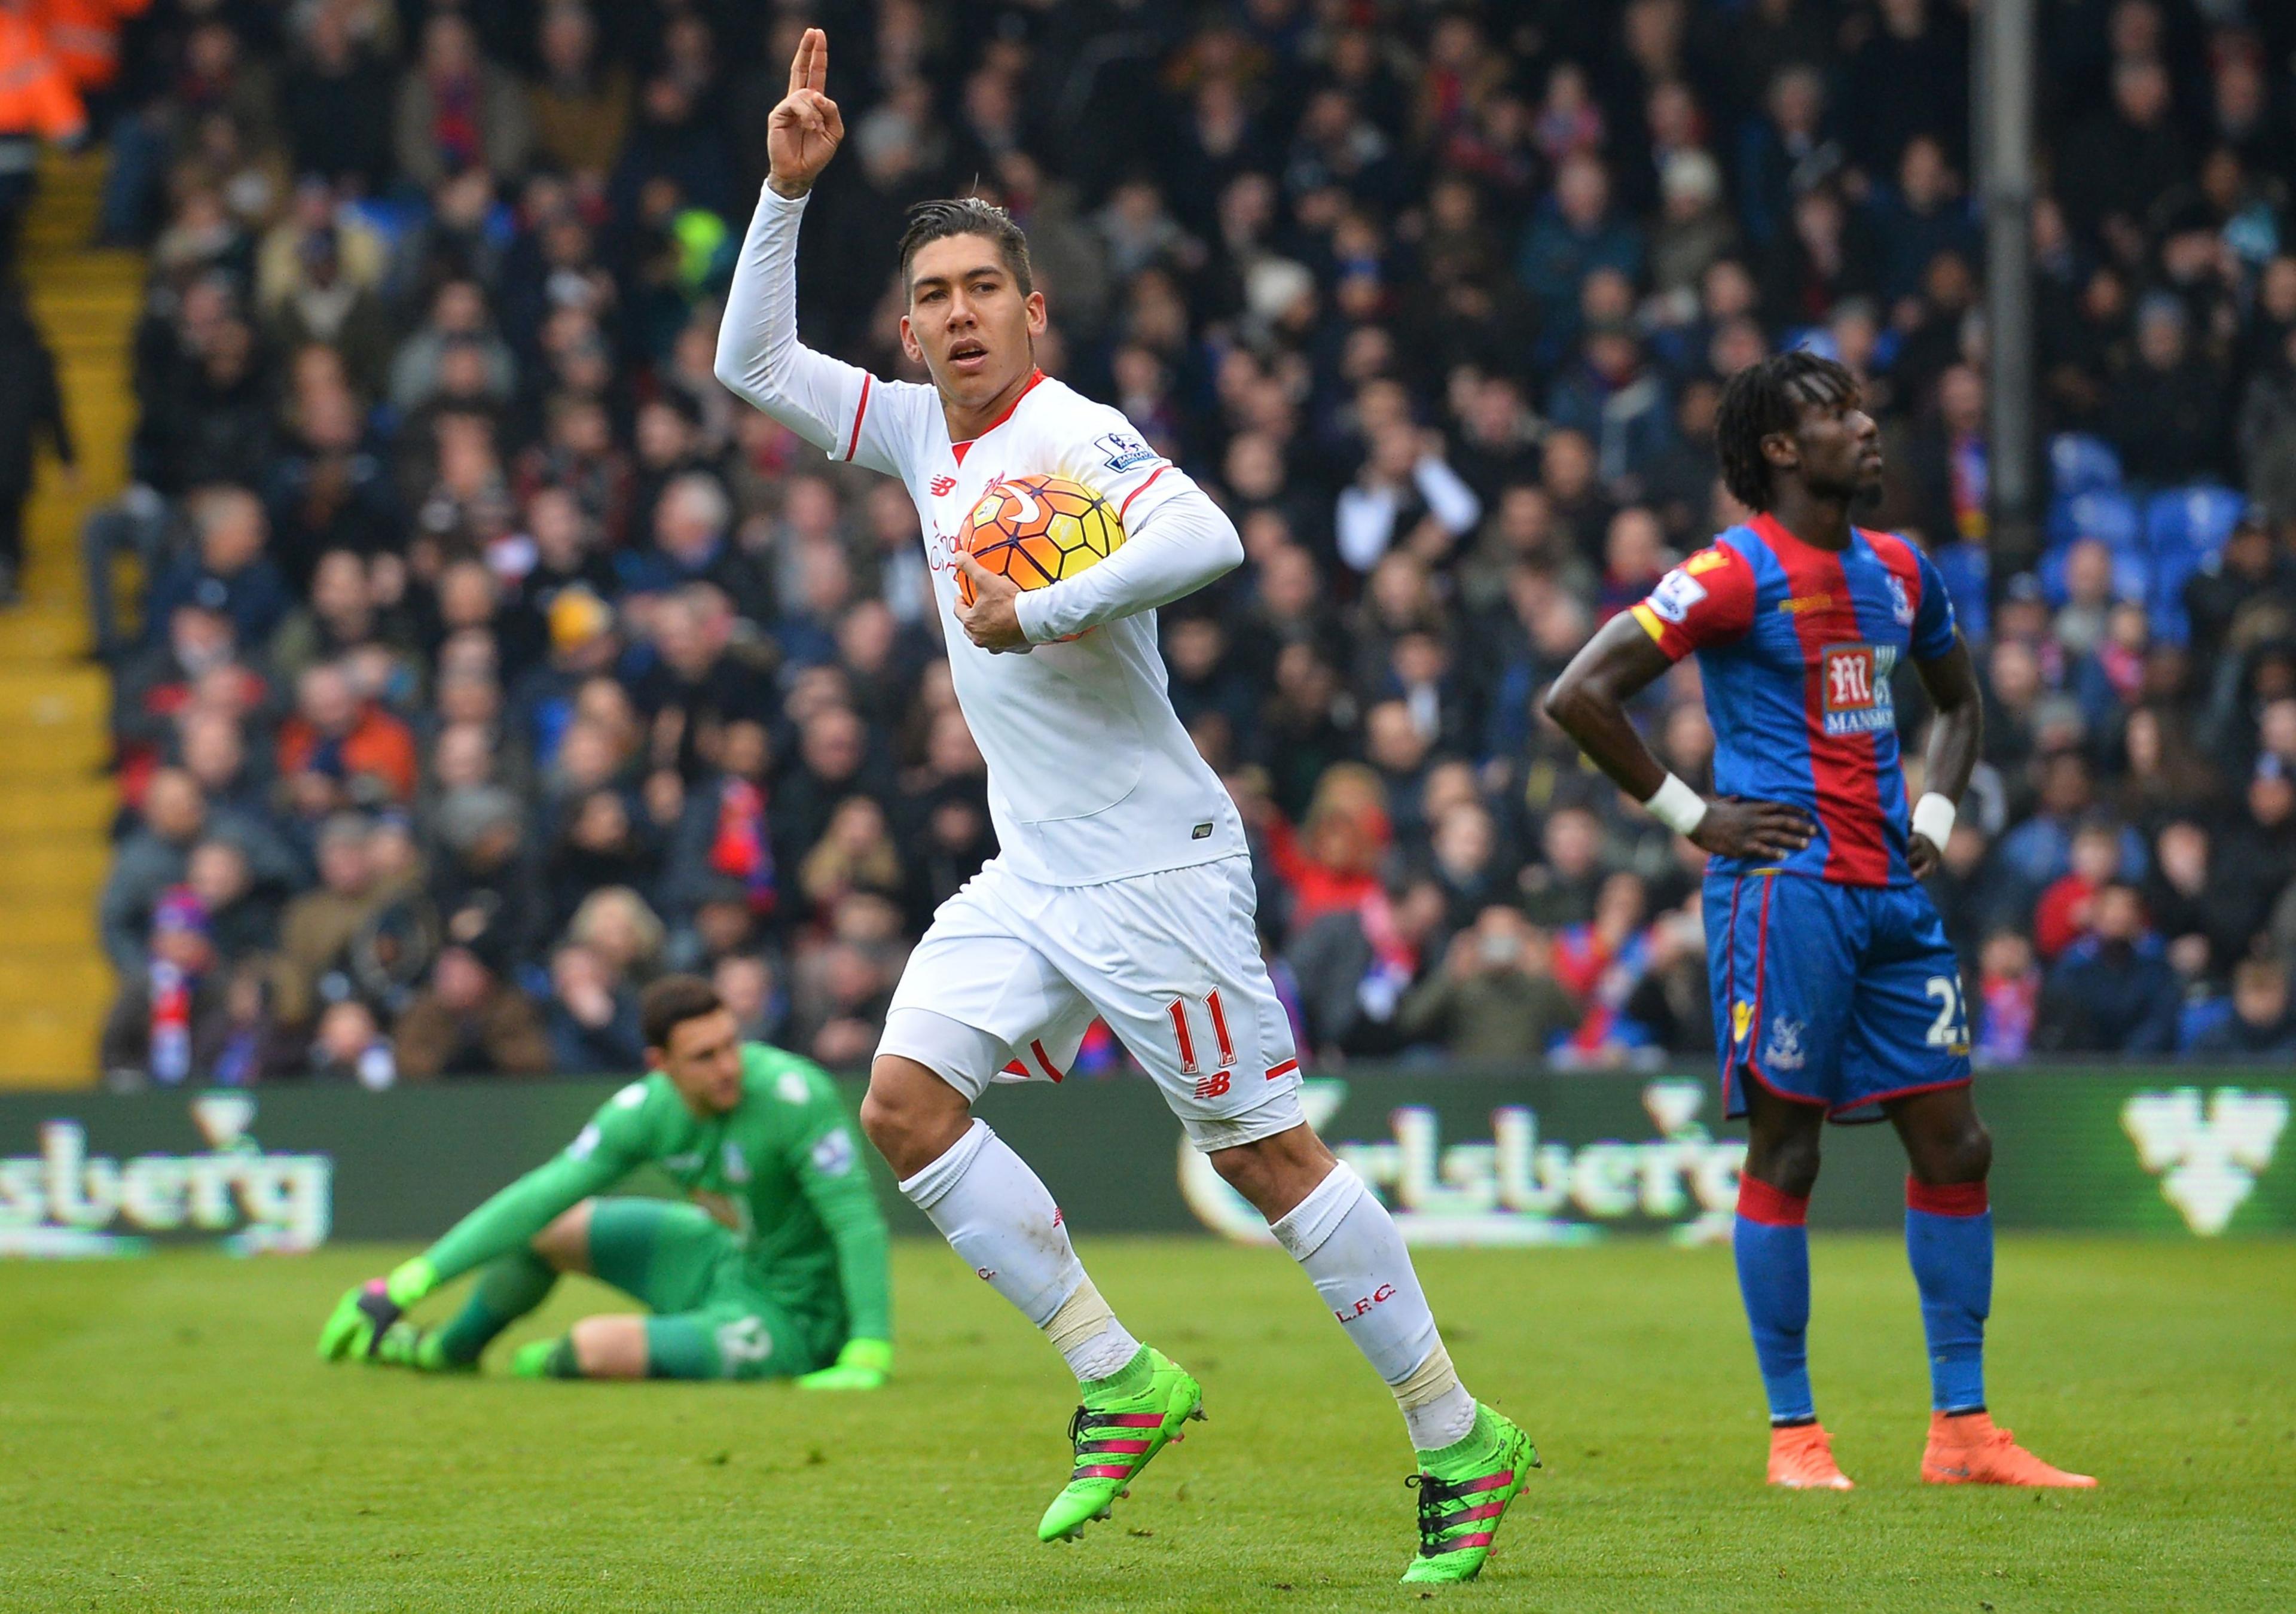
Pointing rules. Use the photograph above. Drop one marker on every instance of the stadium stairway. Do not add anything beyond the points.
(56, 798)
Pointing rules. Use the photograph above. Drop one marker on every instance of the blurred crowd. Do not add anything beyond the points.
(488, 659)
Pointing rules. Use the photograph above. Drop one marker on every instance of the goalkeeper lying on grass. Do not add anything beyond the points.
(775, 1269)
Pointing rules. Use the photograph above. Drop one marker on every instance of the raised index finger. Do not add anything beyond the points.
(818, 78)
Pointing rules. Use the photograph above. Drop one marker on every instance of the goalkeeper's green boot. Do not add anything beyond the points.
(405, 1345)
(1464, 1492)
(1125, 1420)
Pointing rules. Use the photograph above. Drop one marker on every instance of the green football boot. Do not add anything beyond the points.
(543, 1359)
(1464, 1492)
(405, 1345)
(1125, 1420)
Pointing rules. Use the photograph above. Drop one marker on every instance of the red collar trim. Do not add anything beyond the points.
(958, 448)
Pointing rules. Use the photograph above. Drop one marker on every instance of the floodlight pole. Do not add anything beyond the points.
(2003, 69)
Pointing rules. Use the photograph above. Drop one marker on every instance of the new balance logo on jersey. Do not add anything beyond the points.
(1384, 1292)
(1214, 1085)
(942, 486)
(1855, 680)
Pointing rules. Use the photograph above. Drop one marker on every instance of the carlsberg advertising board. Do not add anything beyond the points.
(1487, 1158)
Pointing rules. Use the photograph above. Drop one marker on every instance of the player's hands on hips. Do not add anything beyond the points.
(862, 1365)
(993, 620)
(804, 131)
(1734, 827)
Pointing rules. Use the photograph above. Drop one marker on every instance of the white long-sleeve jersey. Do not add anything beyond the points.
(1091, 777)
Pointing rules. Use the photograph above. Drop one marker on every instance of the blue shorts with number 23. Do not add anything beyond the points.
(1831, 994)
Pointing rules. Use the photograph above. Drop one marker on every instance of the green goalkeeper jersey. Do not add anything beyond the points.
(782, 1169)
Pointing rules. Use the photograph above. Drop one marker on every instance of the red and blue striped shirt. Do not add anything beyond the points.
(1796, 646)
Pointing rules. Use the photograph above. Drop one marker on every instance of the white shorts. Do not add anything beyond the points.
(1170, 960)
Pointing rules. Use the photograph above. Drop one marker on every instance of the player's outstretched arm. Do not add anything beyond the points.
(759, 358)
(1588, 702)
(1956, 734)
(1170, 550)
(594, 1162)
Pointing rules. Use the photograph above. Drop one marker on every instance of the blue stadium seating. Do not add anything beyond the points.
(2081, 463)
(2185, 529)
(1966, 569)
(2101, 512)
(2195, 520)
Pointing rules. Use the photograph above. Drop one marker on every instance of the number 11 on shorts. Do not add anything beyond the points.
(1178, 1010)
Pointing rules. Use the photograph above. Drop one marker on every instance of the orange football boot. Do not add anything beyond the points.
(1801, 1458)
(1968, 1448)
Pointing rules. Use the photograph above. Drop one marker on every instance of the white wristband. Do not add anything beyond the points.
(1676, 806)
(1933, 816)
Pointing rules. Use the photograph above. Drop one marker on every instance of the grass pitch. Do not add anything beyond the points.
(167, 1441)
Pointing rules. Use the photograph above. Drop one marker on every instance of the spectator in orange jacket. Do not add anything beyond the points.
(84, 36)
(37, 102)
(338, 735)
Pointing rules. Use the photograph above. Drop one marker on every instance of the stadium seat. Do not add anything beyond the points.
(2080, 464)
(2164, 610)
(1966, 569)
(2185, 529)
(2196, 1021)
(2101, 512)
(2195, 520)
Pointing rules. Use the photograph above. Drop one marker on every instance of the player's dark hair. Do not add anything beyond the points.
(1766, 398)
(938, 220)
(670, 1002)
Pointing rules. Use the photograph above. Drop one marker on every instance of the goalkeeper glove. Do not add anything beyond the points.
(361, 1316)
(862, 1365)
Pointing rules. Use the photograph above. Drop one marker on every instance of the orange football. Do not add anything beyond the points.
(1037, 530)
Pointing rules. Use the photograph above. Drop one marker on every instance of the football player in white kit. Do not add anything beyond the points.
(1122, 886)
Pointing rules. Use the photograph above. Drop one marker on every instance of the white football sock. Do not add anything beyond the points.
(1089, 1337)
(1349, 1247)
(998, 1215)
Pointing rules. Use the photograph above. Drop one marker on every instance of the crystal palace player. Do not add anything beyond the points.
(1835, 996)
(1122, 887)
